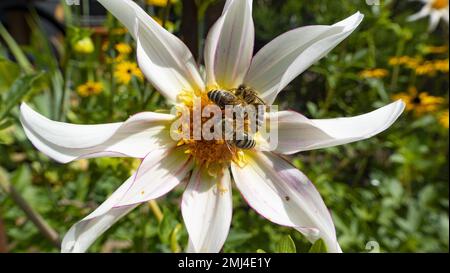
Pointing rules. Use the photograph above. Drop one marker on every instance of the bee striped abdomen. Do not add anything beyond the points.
(222, 98)
(246, 144)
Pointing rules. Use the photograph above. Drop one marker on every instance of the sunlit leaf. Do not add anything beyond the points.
(18, 90)
(318, 247)
(286, 245)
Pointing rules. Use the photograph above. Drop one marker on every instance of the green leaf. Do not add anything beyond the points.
(318, 247)
(76, 34)
(286, 245)
(18, 90)
(15, 50)
(261, 251)
(9, 71)
(5, 124)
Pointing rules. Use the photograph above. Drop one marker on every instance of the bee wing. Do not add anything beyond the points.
(260, 100)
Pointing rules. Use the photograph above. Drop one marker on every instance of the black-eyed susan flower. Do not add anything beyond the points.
(123, 48)
(160, 3)
(420, 103)
(409, 62)
(443, 119)
(125, 71)
(431, 68)
(121, 51)
(90, 88)
(436, 9)
(441, 65)
(269, 183)
(376, 73)
(426, 68)
(429, 49)
(420, 66)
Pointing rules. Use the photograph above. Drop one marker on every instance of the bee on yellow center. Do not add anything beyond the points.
(218, 152)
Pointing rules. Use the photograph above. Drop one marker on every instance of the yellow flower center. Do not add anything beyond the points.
(440, 4)
(213, 154)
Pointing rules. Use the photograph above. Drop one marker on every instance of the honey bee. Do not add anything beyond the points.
(242, 97)
(245, 141)
(223, 98)
(249, 95)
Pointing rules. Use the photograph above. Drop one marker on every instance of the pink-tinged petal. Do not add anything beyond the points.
(84, 233)
(148, 179)
(207, 210)
(229, 45)
(160, 172)
(164, 59)
(288, 55)
(297, 133)
(66, 142)
(284, 195)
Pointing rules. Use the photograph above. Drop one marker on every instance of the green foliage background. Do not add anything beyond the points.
(391, 189)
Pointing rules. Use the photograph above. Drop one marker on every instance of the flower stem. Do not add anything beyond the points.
(156, 210)
(174, 246)
(395, 75)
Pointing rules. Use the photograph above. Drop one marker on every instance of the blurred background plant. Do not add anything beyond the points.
(75, 63)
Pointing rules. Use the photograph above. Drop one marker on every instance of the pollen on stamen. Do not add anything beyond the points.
(213, 154)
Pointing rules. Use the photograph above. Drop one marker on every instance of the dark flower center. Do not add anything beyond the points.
(417, 100)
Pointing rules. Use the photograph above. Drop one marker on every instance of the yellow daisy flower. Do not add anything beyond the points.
(441, 65)
(435, 49)
(90, 88)
(420, 103)
(160, 3)
(125, 71)
(123, 48)
(407, 61)
(443, 119)
(394, 61)
(426, 68)
(377, 73)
